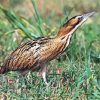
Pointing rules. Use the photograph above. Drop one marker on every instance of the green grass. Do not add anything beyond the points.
(79, 78)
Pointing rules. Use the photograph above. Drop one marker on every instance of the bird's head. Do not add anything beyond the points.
(71, 25)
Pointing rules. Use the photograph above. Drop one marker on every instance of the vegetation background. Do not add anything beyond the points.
(76, 74)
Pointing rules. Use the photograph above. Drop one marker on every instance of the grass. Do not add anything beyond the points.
(75, 76)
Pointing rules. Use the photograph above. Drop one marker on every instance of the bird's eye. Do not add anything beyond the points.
(80, 18)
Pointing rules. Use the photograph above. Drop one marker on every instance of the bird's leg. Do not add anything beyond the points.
(43, 74)
(23, 73)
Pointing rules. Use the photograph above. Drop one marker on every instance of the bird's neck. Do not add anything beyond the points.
(65, 33)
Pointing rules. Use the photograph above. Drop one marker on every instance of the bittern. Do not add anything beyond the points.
(34, 54)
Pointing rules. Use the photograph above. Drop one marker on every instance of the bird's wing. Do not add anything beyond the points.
(26, 55)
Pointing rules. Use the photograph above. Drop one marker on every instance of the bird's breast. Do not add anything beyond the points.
(51, 51)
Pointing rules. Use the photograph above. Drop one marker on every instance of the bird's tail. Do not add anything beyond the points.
(2, 69)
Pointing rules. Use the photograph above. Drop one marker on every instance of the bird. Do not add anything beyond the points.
(33, 55)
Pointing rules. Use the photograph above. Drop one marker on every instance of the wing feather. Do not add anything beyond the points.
(26, 55)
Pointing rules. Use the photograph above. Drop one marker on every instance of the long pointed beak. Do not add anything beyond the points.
(85, 16)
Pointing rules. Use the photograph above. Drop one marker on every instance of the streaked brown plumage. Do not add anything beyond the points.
(34, 54)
